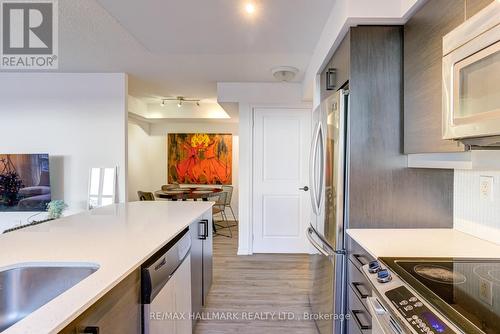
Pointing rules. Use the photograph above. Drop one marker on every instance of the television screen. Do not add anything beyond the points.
(24, 182)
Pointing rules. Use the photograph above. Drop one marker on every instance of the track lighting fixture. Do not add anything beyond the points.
(180, 101)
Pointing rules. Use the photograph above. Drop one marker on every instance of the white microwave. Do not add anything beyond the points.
(471, 77)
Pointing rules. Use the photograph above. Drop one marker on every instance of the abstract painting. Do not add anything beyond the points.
(199, 158)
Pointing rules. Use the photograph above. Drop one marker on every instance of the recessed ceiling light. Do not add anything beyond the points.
(250, 8)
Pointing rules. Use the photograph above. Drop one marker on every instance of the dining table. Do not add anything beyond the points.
(185, 193)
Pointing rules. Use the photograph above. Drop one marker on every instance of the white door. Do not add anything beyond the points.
(281, 211)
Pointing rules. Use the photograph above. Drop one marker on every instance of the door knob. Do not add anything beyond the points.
(306, 188)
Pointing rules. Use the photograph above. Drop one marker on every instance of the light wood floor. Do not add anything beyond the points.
(258, 283)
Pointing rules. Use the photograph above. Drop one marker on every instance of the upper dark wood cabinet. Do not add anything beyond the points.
(423, 38)
(383, 191)
(340, 63)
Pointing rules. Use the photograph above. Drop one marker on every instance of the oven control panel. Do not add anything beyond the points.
(416, 314)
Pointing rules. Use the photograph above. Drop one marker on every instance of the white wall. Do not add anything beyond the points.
(472, 214)
(145, 160)
(250, 96)
(78, 119)
(148, 152)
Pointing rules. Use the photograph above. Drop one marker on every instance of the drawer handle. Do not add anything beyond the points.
(202, 230)
(358, 258)
(356, 318)
(360, 294)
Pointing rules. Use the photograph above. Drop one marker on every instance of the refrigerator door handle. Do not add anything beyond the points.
(316, 244)
(312, 169)
(322, 239)
(319, 178)
(324, 248)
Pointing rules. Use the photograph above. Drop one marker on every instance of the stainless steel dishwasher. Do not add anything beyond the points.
(166, 289)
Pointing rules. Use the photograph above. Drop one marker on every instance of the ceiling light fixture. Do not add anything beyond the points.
(284, 73)
(180, 101)
(250, 8)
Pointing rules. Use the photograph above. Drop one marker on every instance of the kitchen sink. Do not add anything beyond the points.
(26, 287)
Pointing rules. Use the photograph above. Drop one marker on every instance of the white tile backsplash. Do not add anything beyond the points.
(473, 214)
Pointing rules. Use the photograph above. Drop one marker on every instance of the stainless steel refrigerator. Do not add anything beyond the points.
(329, 193)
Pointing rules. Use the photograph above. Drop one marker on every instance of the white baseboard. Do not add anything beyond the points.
(243, 252)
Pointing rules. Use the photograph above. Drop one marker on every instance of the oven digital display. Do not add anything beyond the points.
(437, 325)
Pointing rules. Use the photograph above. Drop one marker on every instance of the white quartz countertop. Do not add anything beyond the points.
(423, 243)
(119, 238)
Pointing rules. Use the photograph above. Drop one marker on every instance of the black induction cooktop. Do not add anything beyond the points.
(466, 291)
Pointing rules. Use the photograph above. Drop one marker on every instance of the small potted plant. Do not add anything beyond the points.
(56, 208)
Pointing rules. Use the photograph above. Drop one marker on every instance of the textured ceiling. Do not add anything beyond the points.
(184, 47)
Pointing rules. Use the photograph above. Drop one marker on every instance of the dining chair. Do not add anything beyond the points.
(227, 204)
(145, 196)
(218, 208)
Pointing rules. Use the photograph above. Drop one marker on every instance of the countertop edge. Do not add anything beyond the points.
(412, 247)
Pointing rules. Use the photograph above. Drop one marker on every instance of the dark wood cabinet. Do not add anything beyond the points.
(423, 39)
(383, 191)
(201, 261)
(340, 63)
(358, 289)
(197, 230)
(118, 311)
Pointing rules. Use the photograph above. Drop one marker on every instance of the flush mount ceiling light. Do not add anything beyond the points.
(284, 73)
(180, 100)
(250, 8)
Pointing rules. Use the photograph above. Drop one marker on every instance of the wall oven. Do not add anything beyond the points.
(471, 77)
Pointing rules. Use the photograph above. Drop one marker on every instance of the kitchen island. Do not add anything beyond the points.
(117, 238)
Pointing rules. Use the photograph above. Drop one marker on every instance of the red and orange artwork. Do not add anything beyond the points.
(199, 158)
